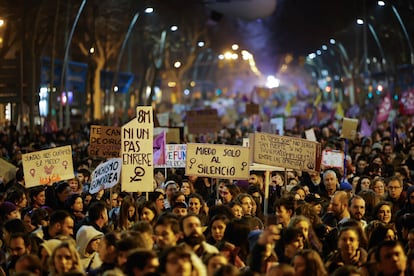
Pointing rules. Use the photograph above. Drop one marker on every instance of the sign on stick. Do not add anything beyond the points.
(105, 141)
(287, 152)
(220, 161)
(48, 166)
(137, 152)
(106, 175)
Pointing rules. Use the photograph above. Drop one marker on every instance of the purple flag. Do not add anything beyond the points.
(366, 130)
(159, 149)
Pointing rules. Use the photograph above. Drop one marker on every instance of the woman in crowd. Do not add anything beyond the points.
(147, 211)
(74, 204)
(236, 209)
(228, 192)
(65, 259)
(311, 241)
(363, 184)
(348, 250)
(128, 214)
(75, 186)
(17, 197)
(383, 212)
(308, 262)
(158, 198)
(216, 229)
(196, 205)
(378, 186)
(187, 188)
(382, 232)
(37, 197)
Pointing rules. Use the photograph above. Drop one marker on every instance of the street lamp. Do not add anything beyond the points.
(403, 28)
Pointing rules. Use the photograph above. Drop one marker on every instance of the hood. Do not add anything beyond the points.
(50, 245)
(84, 236)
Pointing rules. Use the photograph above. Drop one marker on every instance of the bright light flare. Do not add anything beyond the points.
(312, 55)
(381, 3)
(360, 21)
(235, 47)
(272, 82)
(177, 64)
(149, 10)
(174, 28)
(228, 55)
(332, 41)
(1, 22)
(201, 44)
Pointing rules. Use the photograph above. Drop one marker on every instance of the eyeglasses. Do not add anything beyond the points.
(394, 187)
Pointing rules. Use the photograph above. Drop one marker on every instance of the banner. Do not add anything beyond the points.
(105, 141)
(220, 161)
(137, 152)
(286, 152)
(106, 175)
(175, 155)
(48, 166)
(384, 109)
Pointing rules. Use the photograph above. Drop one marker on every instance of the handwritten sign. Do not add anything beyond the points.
(175, 155)
(137, 152)
(48, 166)
(333, 158)
(349, 128)
(203, 121)
(7, 170)
(286, 152)
(105, 141)
(106, 175)
(221, 161)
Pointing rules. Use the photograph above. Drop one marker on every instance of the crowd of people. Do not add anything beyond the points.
(357, 220)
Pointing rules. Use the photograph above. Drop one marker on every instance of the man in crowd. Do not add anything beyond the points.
(357, 210)
(193, 237)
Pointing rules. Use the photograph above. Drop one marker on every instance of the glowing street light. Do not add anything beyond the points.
(177, 64)
(149, 10)
(360, 21)
(174, 28)
(332, 41)
(235, 47)
(201, 44)
(381, 3)
(1, 22)
(92, 50)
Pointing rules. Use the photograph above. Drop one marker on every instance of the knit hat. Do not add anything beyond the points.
(50, 245)
(345, 186)
(7, 207)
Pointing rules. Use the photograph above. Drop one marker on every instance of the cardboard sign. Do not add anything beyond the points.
(349, 128)
(7, 170)
(310, 134)
(175, 155)
(220, 161)
(203, 121)
(333, 158)
(137, 152)
(105, 141)
(48, 166)
(106, 175)
(252, 109)
(286, 152)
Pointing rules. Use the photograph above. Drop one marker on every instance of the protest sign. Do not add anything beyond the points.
(349, 128)
(106, 175)
(48, 166)
(333, 158)
(137, 152)
(310, 134)
(203, 121)
(175, 155)
(105, 141)
(7, 170)
(221, 161)
(286, 152)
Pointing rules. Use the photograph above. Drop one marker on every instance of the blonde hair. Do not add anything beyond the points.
(76, 260)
